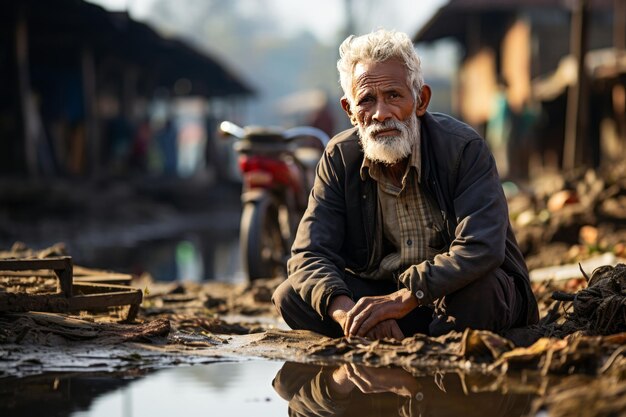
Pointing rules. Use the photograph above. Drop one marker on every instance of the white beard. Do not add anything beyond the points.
(390, 149)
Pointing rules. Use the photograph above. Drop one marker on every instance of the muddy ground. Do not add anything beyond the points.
(574, 360)
(184, 324)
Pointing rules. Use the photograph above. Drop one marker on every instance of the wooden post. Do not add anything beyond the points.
(23, 79)
(92, 137)
(576, 116)
(129, 93)
(619, 90)
(619, 24)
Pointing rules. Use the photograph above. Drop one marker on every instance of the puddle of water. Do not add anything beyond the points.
(355, 390)
(258, 388)
(220, 389)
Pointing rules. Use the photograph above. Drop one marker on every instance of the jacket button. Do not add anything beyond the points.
(364, 196)
(419, 294)
(409, 242)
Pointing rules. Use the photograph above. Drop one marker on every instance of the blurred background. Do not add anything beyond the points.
(109, 108)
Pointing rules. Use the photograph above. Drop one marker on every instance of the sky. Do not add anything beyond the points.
(326, 16)
(282, 69)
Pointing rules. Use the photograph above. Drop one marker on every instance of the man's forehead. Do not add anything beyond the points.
(389, 71)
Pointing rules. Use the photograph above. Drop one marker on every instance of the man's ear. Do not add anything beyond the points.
(425, 95)
(345, 104)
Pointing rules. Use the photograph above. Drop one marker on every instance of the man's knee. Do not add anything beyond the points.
(489, 303)
(300, 315)
(283, 296)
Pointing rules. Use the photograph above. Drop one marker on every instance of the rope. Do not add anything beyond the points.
(599, 309)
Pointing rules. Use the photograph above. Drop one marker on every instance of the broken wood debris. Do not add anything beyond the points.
(84, 293)
(49, 328)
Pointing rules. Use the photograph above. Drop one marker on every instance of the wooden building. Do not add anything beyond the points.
(70, 69)
(506, 81)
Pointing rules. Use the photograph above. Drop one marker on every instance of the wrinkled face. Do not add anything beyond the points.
(385, 111)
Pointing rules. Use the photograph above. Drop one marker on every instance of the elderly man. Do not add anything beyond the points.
(407, 226)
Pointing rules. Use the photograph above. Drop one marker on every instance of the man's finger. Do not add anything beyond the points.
(374, 333)
(395, 330)
(375, 315)
(380, 331)
(361, 313)
(347, 325)
(350, 316)
(359, 320)
(386, 329)
(353, 313)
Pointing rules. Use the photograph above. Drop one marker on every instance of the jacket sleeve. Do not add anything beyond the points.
(316, 268)
(479, 241)
(317, 398)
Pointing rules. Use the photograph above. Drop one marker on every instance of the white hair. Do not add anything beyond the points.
(378, 46)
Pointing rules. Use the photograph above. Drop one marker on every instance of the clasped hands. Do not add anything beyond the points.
(373, 380)
(373, 317)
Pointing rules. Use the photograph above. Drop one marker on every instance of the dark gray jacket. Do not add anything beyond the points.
(337, 232)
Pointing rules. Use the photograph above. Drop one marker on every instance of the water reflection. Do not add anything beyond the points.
(354, 390)
(246, 388)
(55, 395)
(212, 389)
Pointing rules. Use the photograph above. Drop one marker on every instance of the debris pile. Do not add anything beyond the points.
(50, 329)
(567, 218)
(598, 309)
(480, 351)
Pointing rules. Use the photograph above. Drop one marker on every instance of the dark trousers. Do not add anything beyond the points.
(489, 303)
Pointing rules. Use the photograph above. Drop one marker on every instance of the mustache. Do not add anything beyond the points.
(378, 127)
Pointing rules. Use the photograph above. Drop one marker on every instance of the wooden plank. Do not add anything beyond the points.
(121, 279)
(80, 274)
(21, 302)
(96, 295)
(60, 262)
(28, 274)
(95, 291)
(98, 288)
(90, 301)
(81, 270)
(57, 303)
(61, 265)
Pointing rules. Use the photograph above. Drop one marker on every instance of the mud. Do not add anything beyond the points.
(186, 324)
(573, 360)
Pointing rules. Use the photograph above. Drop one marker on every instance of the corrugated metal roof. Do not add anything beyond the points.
(517, 4)
(450, 20)
(64, 24)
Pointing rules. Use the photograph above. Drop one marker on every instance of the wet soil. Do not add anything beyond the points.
(566, 363)
(191, 323)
